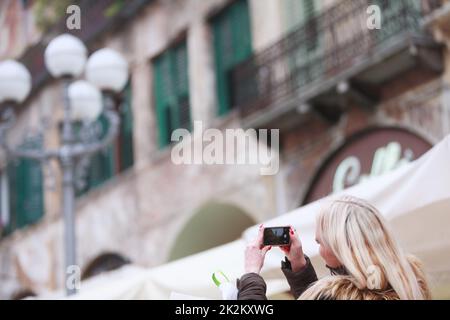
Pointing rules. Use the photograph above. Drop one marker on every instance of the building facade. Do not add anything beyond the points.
(350, 100)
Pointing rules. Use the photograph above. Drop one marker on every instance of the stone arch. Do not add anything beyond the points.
(213, 224)
(104, 262)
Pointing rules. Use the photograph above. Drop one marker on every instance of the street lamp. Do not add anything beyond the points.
(107, 70)
(86, 101)
(15, 81)
(65, 58)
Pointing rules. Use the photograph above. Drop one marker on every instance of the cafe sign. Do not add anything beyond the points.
(367, 154)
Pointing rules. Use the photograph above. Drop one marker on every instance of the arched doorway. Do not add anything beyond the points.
(105, 262)
(212, 225)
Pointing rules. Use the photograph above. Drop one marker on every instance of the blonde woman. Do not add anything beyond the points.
(365, 261)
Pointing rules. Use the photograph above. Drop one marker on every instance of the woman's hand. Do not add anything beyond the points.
(294, 252)
(255, 253)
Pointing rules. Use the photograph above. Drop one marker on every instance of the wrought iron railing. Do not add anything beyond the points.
(322, 48)
(96, 18)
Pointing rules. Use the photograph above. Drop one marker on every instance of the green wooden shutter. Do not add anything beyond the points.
(171, 87)
(232, 45)
(162, 90)
(102, 166)
(13, 197)
(242, 41)
(181, 114)
(303, 61)
(25, 191)
(309, 9)
(126, 131)
(105, 164)
(298, 12)
(32, 206)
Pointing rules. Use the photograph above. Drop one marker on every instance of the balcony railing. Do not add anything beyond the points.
(324, 47)
(96, 18)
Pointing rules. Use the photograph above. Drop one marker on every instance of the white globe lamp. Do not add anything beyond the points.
(15, 81)
(65, 55)
(85, 101)
(108, 70)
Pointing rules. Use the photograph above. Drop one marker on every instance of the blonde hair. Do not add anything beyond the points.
(358, 236)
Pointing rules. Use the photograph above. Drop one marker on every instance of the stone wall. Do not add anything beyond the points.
(420, 109)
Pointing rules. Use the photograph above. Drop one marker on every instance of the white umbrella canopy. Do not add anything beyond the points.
(415, 199)
(191, 276)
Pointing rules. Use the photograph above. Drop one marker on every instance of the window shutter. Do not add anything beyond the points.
(162, 97)
(232, 45)
(13, 196)
(222, 53)
(181, 116)
(180, 74)
(302, 60)
(102, 166)
(241, 32)
(171, 86)
(126, 131)
(33, 206)
(25, 192)
(184, 113)
(309, 8)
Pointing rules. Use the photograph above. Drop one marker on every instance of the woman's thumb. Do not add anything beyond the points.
(265, 249)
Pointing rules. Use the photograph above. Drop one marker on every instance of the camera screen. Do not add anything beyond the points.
(277, 236)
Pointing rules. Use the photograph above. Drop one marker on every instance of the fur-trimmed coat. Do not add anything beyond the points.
(305, 285)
